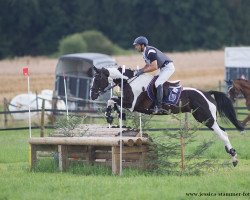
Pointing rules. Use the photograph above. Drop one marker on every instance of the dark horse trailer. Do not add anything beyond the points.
(78, 72)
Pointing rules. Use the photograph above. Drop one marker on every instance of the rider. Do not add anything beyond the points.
(154, 60)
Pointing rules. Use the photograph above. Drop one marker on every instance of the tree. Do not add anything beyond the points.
(35, 27)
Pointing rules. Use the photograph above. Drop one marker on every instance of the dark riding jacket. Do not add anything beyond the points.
(151, 54)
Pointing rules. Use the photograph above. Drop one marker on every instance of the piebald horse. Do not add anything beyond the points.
(240, 87)
(202, 105)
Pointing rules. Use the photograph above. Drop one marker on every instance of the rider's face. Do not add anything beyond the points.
(139, 47)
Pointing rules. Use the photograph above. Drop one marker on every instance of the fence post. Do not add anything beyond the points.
(42, 119)
(36, 100)
(220, 86)
(52, 116)
(5, 107)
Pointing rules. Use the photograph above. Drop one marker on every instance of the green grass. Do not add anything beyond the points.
(18, 183)
(86, 182)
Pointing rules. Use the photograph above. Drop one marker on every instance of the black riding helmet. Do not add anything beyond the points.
(141, 40)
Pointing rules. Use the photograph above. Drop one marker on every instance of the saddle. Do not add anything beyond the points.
(173, 90)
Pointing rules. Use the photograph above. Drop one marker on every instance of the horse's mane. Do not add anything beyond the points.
(244, 84)
(128, 72)
(242, 80)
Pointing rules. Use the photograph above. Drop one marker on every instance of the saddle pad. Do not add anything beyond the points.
(173, 96)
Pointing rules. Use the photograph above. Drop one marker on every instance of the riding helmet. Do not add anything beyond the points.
(141, 40)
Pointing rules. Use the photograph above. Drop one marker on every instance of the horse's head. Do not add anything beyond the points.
(234, 89)
(100, 82)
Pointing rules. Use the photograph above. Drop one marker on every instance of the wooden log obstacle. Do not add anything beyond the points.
(95, 148)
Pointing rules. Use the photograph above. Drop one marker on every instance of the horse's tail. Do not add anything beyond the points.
(226, 109)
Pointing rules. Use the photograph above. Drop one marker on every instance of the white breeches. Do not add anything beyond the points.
(164, 74)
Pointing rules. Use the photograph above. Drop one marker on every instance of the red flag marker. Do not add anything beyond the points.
(26, 71)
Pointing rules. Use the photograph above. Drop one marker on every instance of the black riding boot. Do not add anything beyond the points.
(158, 108)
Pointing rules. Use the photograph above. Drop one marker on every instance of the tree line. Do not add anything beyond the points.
(35, 27)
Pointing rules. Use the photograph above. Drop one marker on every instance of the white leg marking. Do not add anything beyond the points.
(111, 103)
(222, 135)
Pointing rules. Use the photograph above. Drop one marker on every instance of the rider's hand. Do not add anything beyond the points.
(139, 72)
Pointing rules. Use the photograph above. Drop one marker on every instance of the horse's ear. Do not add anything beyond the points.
(95, 69)
(120, 69)
(229, 82)
(105, 72)
(243, 77)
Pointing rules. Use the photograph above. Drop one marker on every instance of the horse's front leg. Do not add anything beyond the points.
(108, 113)
(112, 105)
(116, 108)
(247, 119)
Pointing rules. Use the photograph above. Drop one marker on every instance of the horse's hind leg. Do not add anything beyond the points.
(247, 119)
(210, 122)
(224, 137)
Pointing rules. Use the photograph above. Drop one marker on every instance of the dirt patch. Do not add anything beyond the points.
(203, 70)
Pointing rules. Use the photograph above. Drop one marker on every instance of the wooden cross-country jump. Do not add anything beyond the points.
(93, 148)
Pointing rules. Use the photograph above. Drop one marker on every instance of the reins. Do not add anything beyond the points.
(112, 86)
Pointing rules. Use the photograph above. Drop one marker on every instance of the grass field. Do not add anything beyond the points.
(18, 182)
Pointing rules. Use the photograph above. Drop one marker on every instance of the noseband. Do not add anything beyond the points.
(102, 91)
(99, 92)
(234, 94)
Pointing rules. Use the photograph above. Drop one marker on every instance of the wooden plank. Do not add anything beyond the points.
(79, 148)
(131, 156)
(128, 142)
(135, 149)
(46, 147)
(125, 156)
(93, 130)
(137, 140)
(63, 157)
(77, 155)
(94, 141)
(90, 155)
(33, 156)
(142, 160)
(103, 148)
(103, 155)
(43, 154)
(115, 160)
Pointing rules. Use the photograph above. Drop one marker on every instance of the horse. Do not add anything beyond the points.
(239, 87)
(136, 97)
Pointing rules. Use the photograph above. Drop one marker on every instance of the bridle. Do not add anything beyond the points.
(99, 91)
(234, 94)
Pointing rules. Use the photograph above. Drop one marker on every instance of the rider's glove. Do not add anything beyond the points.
(139, 72)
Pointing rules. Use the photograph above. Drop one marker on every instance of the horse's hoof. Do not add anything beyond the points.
(235, 162)
(243, 132)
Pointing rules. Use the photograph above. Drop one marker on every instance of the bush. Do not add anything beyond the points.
(97, 42)
(88, 41)
(72, 44)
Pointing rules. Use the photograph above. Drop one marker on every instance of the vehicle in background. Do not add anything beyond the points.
(77, 71)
